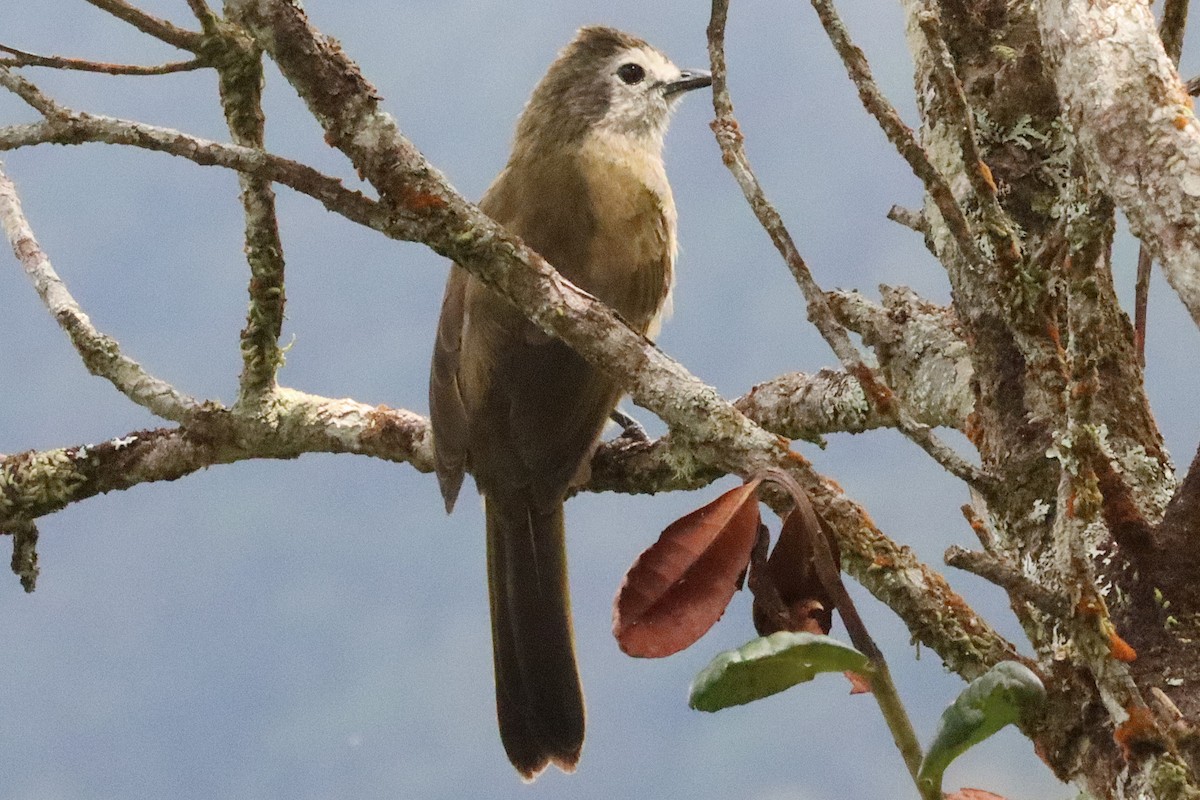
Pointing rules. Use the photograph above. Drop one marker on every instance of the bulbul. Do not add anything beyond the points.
(584, 187)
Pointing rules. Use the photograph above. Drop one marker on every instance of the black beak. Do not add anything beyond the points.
(688, 79)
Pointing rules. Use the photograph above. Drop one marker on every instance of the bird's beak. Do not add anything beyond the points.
(688, 79)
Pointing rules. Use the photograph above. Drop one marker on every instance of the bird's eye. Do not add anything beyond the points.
(631, 73)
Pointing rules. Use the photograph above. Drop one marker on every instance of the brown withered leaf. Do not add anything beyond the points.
(679, 586)
(972, 794)
(807, 606)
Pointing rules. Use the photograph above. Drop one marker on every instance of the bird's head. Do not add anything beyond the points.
(606, 81)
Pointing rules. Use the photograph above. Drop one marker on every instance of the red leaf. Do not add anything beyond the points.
(972, 794)
(679, 587)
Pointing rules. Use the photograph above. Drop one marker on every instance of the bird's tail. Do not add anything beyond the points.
(539, 700)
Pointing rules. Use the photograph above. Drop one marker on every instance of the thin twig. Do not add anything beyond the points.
(240, 73)
(912, 219)
(33, 96)
(973, 513)
(730, 139)
(21, 58)
(79, 127)
(1141, 301)
(157, 27)
(899, 134)
(100, 353)
(202, 12)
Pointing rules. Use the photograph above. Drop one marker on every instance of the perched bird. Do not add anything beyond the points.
(585, 187)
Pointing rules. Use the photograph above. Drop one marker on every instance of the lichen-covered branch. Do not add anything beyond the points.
(1135, 124)
(240, 73)
(100, 353)
(80, 127)
(36, 483)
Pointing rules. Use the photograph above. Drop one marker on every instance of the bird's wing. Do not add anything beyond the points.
(447, 412)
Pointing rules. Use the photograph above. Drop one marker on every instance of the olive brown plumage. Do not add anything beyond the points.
(585, 188)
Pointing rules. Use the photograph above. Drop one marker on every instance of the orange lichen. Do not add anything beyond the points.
(1052, 332)
(1137, 732)
(1090, 605)
(423, 201)
(986, 173)
(1118, 648)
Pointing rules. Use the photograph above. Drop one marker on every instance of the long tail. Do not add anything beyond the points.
(539, 700)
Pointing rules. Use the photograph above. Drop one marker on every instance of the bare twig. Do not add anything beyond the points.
(973, 513)
(202, 12)
(1141, 300)
(729, 137)
(910, 218)
(22, 58)
(899, 134)
(80, 127)
(240, 74)
(100, 353)
(148, 23)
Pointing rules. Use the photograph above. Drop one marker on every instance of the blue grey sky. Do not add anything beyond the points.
(318, 628)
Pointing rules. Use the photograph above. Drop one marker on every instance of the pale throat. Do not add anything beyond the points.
(636, 158)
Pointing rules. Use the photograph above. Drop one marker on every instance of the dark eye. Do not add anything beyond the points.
(631, 73)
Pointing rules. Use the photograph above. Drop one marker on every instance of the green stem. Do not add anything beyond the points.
(882, 688)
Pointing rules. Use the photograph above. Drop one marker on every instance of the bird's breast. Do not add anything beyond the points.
(631, 255)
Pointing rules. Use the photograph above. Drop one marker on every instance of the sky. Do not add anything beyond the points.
(318, 628)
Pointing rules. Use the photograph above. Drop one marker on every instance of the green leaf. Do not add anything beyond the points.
(770, 664)
(989, 702)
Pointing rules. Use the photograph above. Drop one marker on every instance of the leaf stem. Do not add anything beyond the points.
(882, 687)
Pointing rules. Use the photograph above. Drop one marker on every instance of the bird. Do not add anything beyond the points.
(586, 188)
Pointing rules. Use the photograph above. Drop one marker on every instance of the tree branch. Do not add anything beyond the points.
(22, 58)
(1135, 125)
(100, 353)
(899, 134)
(37, 483)
(730, 138)
(159, 28)
(240, 73)
(81, 127)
